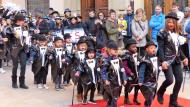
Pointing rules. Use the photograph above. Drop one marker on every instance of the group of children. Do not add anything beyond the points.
(90, 68)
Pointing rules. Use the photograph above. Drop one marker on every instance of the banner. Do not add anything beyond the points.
(75, 33)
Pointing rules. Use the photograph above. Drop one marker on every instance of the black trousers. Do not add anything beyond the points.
(175, 70)
(128, 89)
(41, 76)
(79, 87)
(112, 93)
(91, 87)
(18, 56)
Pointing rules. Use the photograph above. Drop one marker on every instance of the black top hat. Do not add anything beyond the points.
(172, 15)
(129, 42)
(150, 43)
(57, 38)
(112, 45)
(19, 17)
(90, 49)
(67, 35)
(41, 38)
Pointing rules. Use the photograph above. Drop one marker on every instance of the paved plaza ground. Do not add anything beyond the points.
(34, 97)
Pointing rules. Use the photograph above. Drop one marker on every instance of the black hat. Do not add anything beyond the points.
(57, 38)
(55, 12)
(129, 42)
(172, 15)
(67, 35)
(81, 41)
(67, 10)
(150, 43)
(112, 45)
(90, 49)
(19, 17)
(41, 38)
(73, 17)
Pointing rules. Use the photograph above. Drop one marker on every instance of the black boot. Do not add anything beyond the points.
(173, 101)
(14, 82)
(135, 100)
(126, 99)
(22, 83)
(160, 98)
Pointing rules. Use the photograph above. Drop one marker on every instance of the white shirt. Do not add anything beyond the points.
(180, 15)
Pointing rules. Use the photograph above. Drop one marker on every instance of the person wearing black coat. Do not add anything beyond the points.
(90, 24)
(170, 56)
(18, 50)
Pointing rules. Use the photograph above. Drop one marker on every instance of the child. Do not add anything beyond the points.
(58, 62)
(88, 75)
(78, 59)
(122, 23)
(69, 48)
(148, 74)
(39, 58)
(130, 64)
(113, 75)
(122, 26)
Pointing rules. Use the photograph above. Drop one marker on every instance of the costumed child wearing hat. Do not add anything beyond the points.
(170, 57)
(113, 75)
(59, 61)
(39, 57)
(69, 49)
(19, 49)
(88, 74)
(130, 64)
(148, 74)
(78, 59)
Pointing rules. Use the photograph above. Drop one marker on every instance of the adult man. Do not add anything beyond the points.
(175, 9)
(157, 22)
(129, 17)
(90, 24)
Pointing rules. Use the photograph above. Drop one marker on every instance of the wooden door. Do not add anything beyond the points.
(87, 5)
(102, 6)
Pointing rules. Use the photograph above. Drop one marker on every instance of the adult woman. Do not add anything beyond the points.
(112, 26)
(140, 30)
(170, 56)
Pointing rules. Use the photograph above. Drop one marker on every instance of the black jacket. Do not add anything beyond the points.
(147, 73)
(90, 26)
(166, 48)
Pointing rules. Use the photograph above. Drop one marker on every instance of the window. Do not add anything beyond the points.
(38, 5)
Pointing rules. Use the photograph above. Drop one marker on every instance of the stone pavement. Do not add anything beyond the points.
(34, 97)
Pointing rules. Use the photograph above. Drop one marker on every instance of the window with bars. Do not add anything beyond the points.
(38, 6)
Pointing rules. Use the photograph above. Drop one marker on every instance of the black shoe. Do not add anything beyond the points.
(84, 102)
(136, 102)
(23, 86)
(127, 101)
(14, 85)
(175, 105)
(160, 99)
(92, 102)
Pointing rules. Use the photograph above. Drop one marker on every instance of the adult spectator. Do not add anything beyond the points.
(112, 26)
(140, 30)
(90, 24)
(129, 17)
(66, 21)
(157, 22)
(175, 9)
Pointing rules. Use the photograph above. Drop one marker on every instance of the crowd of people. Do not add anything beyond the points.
(113, 53)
